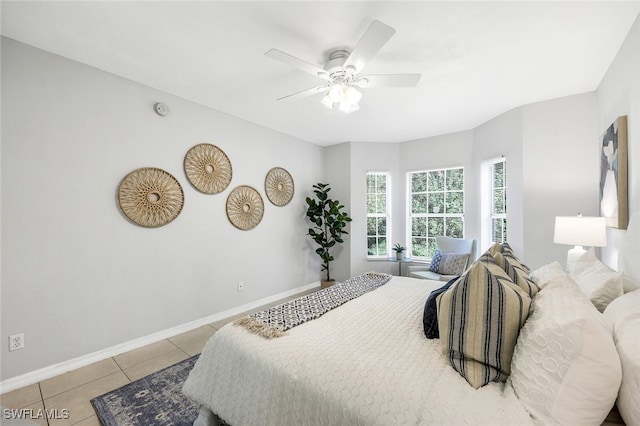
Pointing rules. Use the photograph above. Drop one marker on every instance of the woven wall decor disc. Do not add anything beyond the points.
(150, 197)
(279, 186)
(245, 207)
(208, 168)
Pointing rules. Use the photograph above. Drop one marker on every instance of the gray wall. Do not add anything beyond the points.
(77, 276)
(451, 150)
(337, 174)
(501, 136)
(619, 94)
(560, 170)
(378, 157)
(552, 159)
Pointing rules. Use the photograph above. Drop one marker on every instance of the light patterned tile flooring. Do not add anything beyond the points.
(74, 390)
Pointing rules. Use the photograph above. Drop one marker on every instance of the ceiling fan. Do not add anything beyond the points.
(342, 71)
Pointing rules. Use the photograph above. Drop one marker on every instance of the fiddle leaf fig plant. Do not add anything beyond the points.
(329, 223)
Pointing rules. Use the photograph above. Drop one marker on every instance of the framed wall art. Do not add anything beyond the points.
(614, 203)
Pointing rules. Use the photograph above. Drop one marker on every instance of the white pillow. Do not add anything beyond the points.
(547, 273)
(624, 312)
(629, 285)
(623, 309)
(600, 283)
(565, 368)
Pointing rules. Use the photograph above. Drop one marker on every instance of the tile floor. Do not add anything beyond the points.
(73, 391)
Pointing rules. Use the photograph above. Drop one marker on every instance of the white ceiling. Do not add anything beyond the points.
(477, 59)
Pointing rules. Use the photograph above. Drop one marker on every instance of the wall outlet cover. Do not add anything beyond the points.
(16, 341)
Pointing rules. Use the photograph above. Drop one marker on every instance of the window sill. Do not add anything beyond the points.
(405, 260)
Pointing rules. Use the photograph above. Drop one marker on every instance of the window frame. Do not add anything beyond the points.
(487, 201)
(492, 213)
(428, 214)
(387, 215)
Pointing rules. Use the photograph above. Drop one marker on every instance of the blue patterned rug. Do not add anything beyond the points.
(155, 400)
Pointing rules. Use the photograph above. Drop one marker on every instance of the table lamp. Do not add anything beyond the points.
(579, 231)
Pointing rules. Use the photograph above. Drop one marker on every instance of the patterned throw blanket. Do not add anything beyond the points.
(274, 321)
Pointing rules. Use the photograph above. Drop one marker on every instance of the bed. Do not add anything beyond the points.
(367, 361)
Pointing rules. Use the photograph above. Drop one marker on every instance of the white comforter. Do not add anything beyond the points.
(366, 362)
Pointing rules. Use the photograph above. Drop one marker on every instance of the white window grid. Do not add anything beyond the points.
(430, 214)
(498, 198)
(386, 215)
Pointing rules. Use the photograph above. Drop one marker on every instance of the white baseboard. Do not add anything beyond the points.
(45, 373)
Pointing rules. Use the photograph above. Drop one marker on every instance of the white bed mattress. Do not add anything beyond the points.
(366, 362)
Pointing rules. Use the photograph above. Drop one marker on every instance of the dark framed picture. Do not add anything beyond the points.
(614, 204)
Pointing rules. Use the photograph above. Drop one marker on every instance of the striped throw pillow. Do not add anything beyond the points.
(479, 319)
(514, 268)
(508, 251)
(495, 248)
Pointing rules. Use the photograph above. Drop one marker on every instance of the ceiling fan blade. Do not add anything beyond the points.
(376, 36)
(388, 80)
(305, 93)
(279, 55)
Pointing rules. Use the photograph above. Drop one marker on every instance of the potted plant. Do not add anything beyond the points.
(399, 249)
(329, 221)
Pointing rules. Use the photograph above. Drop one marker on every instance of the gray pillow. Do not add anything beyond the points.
(452, 264)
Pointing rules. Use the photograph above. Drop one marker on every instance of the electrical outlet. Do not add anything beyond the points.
(240, 285)
(16, 341)
(301, 270)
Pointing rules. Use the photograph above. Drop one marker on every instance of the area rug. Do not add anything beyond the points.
(156, 400)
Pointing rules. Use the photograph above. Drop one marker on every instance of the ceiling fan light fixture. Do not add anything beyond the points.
(352, 95)
(336, 93)
(341, 70)
(326, 101)
(342, 96)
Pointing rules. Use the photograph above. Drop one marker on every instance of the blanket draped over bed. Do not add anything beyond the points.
(274, 321)
(364, 363)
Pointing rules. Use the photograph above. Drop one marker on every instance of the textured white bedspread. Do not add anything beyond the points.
(366, 362)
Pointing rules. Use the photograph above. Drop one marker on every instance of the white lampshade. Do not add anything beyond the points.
(579, 231)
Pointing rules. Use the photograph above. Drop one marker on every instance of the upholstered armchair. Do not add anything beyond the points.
(450, 257)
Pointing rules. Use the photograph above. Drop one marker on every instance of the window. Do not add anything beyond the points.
(378, 217)
(499, 201)
(436, 208)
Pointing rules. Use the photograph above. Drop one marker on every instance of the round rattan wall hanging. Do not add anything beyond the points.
(150, 197)
(245, 207)
(208, 168)
(279, 186)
